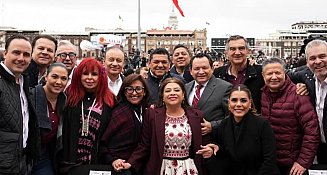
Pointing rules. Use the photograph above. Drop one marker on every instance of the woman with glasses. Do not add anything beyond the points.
(124, 129)
(171, 141)
(89, 103)
(49, 102)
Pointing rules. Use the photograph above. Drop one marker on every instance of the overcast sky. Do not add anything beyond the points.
(251, 18)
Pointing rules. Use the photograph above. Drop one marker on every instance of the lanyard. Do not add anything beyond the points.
(139, 117)
(85, 124)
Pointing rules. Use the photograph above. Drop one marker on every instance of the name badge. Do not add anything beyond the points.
(92, 172)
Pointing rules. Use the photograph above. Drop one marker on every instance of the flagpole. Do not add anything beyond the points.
(139, 27)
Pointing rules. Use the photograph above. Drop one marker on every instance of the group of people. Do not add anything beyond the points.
(181, 117)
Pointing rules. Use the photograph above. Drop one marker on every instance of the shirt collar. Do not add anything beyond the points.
(119, 79)
(6, 68)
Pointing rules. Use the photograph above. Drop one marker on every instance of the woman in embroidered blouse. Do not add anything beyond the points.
(124, 129)
(171, 136)
(49, 102)
(89, 103)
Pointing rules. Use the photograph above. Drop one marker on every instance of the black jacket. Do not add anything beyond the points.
(306, 76)
(33, 74)
(40, 103)
(154, 83)
(253, 80)
(187, 74)
(252, 151)
(12, 159)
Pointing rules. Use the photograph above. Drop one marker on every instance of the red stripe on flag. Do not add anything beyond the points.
(178, 8)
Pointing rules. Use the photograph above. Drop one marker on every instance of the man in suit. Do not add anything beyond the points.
(114, 64)
(212, 98)
(315, 77)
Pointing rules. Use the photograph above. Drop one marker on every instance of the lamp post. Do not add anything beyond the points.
(139, 27)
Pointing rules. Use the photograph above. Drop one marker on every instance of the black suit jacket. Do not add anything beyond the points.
(306, 76)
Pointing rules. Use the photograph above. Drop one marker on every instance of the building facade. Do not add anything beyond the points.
(288, 43)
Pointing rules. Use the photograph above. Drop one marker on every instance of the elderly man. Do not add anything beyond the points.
(114, 63)
(19, 133)
(239, 71)
(66, 53)
(292, 117)
(315, 77)
(159, 65)
(44, 49)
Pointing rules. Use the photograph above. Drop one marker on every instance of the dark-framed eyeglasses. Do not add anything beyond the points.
(71, 55)
(130, 90)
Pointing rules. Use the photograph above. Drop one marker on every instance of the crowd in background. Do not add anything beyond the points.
(185, 112)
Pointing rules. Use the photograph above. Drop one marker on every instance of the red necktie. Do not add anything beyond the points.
(196, 97)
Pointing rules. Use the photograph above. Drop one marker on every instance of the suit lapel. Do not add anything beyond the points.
(160, 117)
(188, 88)
(207, 92)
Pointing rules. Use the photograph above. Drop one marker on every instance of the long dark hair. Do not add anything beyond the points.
(164, 84)
(241, 87)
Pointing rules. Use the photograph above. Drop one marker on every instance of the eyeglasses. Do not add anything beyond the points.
(138, 89)
(71, 55)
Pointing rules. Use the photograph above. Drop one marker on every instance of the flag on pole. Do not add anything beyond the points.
(178, 8)
(120, 18)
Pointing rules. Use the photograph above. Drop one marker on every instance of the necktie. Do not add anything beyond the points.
(196, 97)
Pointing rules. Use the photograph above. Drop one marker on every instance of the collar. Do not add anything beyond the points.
(316, 79)
(6, 68)
(119, 79)
(229, 72)
(204, 85)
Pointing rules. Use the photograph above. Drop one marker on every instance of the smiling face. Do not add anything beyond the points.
(114, 62)
(90, 80)
(317, 61)
(237, 52)
(159, 65)
(67, 54)
(181, 57)
(18, 56)
(274, 76)
(201, 70)
(135, 92)
(173, 95)
(44, 52)
(56, 80)
(239, 104)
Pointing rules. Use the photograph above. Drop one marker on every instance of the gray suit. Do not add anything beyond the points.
(214, 99)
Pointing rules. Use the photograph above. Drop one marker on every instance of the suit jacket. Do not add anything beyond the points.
(306, 76)
(149, 153)
(253, 151)
(214, 99)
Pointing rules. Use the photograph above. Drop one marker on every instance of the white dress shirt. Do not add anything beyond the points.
(114, 86)
(192, 93)
(321, 91)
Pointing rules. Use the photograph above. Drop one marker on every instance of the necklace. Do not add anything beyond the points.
(175, 116)
(85, 123)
